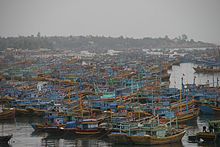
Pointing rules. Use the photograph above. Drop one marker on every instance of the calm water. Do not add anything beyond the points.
(186, 71)
(23, 135)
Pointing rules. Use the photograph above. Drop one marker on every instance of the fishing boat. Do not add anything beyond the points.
(86, 123)
(6, 99)
(87, 127)
(206, 69)
(36, 112)
(185, 116)
(47, 127)
(7, 114)
(147, 132)
(150, 137)
(153, 140)
(4, 139)
(21, 112)
(206, 136)
(185, 108)
(52, 124)
(35, 107)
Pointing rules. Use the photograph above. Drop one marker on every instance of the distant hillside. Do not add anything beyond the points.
(98, 43)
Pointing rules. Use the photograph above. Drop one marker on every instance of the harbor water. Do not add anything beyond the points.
(23, 135)
(186, 71)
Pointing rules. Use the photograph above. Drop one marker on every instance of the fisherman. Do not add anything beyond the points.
(210, 128)
(215, 127)
(204, 128)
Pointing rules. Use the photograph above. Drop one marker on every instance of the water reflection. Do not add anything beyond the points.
(24, 135)
(51, 142)
(75, 143)
(163, 145)
(186, 71)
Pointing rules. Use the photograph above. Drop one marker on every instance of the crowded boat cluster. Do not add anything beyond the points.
(123, 97)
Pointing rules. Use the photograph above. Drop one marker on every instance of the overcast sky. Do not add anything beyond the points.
(199, 19)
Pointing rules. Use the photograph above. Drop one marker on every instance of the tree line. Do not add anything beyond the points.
(97, 43)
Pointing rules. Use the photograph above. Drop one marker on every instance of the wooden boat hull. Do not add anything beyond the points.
(21, 112)
(186, 117)
(28, 112)
(70, 131)
(36, 112)
(206, 70)
(8, 114)
(87, 132)
(5, 139)
(48, 128)
(146, 140)
(206, 136)
(75, 133)
(91, 132)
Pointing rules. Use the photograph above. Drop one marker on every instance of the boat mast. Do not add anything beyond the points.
(187, 97)
(217, 85)
(81, 104)
(180, 109)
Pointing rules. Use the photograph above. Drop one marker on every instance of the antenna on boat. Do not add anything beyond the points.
(81, 103)
(187, 98)
(217, 82)
(182, 88)
(194, 80)
(180, 100)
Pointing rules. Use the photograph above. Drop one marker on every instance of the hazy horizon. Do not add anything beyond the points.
(198, 19)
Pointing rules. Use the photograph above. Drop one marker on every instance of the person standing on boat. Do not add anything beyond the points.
(215, 127)
(204, 128)
(210, 128)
